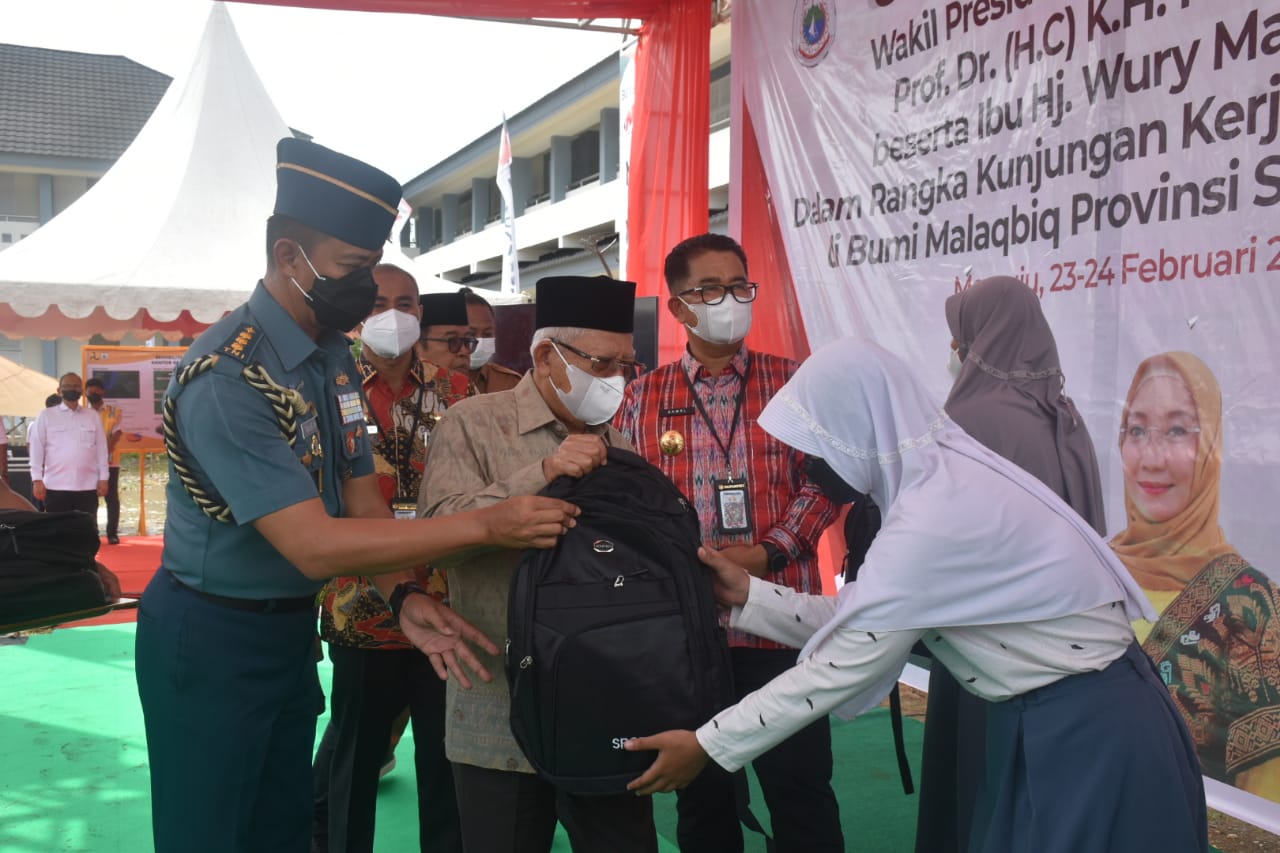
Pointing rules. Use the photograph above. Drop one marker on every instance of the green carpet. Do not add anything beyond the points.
(75, 776)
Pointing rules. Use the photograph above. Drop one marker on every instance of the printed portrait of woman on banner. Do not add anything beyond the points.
(1217, 642)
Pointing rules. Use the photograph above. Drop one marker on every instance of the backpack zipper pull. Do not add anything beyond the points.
(617, 583)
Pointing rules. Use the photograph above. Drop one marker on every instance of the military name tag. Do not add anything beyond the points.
(350, 409)
(404, 510)
(309, 428)
(683, 412)
(732, 507)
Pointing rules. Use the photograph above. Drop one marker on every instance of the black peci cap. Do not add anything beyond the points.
(586, 302)
(443, 309)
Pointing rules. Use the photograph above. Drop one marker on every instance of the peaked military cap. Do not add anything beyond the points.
(586, 302)
(335, 194)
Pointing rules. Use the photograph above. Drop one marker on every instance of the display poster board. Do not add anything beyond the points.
(134, 380)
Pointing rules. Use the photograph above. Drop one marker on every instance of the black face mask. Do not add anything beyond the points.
(829, 482)
(341, 303)
(94, 399)
(71, 396)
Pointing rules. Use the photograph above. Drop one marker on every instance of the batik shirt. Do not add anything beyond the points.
(354, 613)
(1217, 647)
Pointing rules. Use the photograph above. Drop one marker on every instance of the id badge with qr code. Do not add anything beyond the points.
(404, 510)
(732, 506)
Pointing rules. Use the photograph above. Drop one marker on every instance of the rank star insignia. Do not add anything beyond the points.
(241, 341)
(341, 379)
(671, 443)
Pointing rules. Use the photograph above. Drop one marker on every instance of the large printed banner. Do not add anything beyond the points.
(134, 379)
(1120, 157)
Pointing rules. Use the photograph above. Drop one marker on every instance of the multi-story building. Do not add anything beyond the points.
(64, 119)
(569, 197)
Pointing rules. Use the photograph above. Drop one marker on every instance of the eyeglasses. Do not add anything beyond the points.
(456, 345)
(605, 365)
(1174, 436)
(714, 294)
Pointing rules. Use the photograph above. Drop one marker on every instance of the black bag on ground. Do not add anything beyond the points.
(613, 633)
(47, 564)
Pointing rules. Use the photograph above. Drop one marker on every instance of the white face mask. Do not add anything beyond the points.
(390, 334)
(483, 352)
(726, 323)
(591, 399)
(954, 364)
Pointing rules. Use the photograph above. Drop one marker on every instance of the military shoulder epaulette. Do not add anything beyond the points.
(241, 344)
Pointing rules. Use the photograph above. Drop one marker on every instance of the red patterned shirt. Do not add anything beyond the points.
(786, 509)
(353, 612)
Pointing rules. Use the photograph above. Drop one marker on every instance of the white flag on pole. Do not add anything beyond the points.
(510, 268)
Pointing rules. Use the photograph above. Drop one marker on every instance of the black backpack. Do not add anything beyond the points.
(47, 565)
(613, 633)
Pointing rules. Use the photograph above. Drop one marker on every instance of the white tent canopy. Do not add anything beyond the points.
(176, 225)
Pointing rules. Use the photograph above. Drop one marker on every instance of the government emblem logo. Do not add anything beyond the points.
(814, 28)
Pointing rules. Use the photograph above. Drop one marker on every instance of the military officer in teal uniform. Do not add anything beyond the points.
(271, 492)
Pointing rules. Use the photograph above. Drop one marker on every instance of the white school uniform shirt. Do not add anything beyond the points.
(1005, 583)
(994, 662)
(68, 449)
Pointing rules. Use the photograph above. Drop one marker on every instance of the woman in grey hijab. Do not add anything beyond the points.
(1009, 396)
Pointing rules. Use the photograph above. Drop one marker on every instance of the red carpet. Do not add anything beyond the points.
(134, 561)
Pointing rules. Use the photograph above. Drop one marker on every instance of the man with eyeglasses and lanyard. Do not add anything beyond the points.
(696, 420)
(446, 339)
(377, 673)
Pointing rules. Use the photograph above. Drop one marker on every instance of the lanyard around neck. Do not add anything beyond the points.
(725, 446)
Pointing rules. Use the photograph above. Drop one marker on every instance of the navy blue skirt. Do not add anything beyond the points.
(1099, 762)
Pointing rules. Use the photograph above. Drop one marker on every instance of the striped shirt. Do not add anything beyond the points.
(786, 509)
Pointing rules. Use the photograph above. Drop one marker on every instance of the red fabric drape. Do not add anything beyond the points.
(574, 9)
(669, 153)
(777, 326)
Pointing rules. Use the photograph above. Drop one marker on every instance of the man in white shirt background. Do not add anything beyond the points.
(69, 453)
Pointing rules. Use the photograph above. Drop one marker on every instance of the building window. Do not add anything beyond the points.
(495, 201)
(584, 158)
(721, 96)
(541, 168)
(6, 238)
(464, 214)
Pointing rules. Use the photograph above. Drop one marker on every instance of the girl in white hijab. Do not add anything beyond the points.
(1008, 587)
